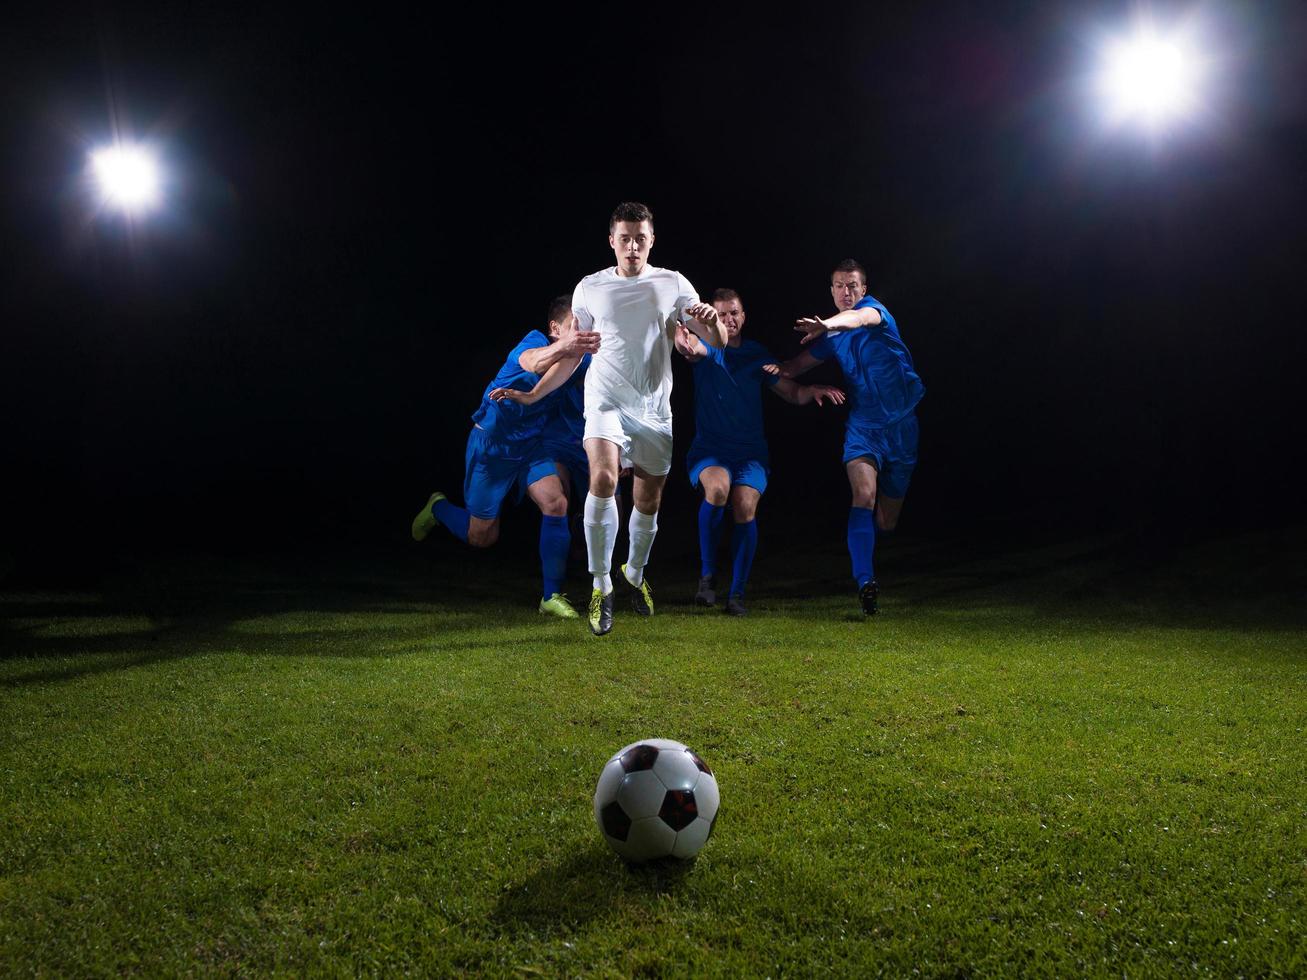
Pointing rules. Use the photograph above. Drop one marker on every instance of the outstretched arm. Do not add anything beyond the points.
(797, 394)
(800, 363)
(813, 327)
(553, 379)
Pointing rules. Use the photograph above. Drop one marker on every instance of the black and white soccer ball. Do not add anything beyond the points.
(656, 799)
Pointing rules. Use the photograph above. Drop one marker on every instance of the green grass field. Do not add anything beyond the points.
(1046, 763)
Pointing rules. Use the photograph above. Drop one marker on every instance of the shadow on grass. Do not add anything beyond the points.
(581, 887)
(150, 614)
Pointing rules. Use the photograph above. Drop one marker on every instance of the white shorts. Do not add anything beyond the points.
(646, 442)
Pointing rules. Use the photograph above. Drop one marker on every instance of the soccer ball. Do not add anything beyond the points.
(656, 799)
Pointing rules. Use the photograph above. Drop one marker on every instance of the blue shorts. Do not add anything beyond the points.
(749, 472)
(574, 458)
(891, 449)
(492, 469)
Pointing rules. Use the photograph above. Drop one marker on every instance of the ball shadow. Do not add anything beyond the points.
(566, 894)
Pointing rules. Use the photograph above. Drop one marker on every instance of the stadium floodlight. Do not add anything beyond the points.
(127, 175)
(1150, 78)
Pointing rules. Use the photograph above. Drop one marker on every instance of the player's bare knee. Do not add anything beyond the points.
(716, 493)
(648, 503)
(484, 536)
(603, 483)
(864, 498)
(554, 506)
(744, 506)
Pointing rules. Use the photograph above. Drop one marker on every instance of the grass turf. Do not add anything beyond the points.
(1041, 764)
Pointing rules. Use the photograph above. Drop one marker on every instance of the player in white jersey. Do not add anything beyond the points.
(636, 309)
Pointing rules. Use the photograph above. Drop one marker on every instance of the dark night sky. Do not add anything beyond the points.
(368, 215)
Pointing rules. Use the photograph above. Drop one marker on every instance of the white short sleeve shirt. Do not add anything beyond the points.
(633, 367)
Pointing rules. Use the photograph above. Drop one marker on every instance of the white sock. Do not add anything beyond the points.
(600, 533)
(641, 531)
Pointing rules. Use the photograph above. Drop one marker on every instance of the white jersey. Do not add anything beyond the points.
(633, 368)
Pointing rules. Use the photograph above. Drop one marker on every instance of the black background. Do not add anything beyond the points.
(366, 212)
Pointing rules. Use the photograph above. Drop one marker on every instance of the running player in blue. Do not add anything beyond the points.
(510, 446)
(880, 437)
(728, 457)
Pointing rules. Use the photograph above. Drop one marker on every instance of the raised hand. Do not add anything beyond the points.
(811, 327)
(820, 392)
(705, 313)
(684, 341)
(577, 343)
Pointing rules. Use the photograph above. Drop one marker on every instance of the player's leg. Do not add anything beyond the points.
(744, 543)
(862, 529)
(548, 494)
(646, 498)
(895, 472)
(888, 510)
(650, 453)
(486, 482)
(715, 480)
(601, 523)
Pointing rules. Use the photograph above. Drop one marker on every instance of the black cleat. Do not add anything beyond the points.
(735, 606)
(641, 595)
(867, 595)
(601, 612)
(707, 595)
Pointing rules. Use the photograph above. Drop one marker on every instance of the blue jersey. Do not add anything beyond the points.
(569, 417)
(728, 401)
(508, 424)
(883, 386)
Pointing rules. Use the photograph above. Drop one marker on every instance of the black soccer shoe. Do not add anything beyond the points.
(641, 595)
(867, 595)
(601, 612)
(735, 606)
(706, 595)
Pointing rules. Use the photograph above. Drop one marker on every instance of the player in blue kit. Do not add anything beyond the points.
(728, 457)
(517, 433)
(880, 437)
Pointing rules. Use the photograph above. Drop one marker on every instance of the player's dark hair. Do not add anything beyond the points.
(725, 295)
(559, 307)
(630, 211)
(849, 265)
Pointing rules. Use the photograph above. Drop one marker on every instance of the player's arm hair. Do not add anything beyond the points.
(792, 391)
(538, 360)
(867, 316)
(800, 363)
(553, 379)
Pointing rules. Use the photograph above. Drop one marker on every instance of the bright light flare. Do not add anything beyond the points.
(128, 176)
(1150, 79)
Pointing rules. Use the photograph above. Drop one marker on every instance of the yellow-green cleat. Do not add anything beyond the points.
(557, 605)
(641, 595)
(426, 521)
(601, 612)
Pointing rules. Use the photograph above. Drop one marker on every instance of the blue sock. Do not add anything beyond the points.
(555, 539)
(744, 542)
(862, 542)
(710, 533)
(454, 518)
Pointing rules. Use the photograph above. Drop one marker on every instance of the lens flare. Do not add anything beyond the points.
(128, 177)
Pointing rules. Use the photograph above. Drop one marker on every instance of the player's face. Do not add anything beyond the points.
(847, 288)
(631, 242)
(731, 313)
